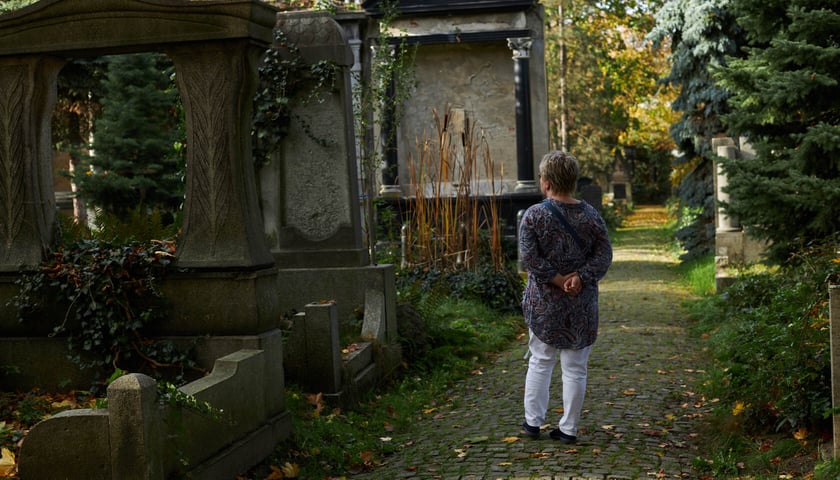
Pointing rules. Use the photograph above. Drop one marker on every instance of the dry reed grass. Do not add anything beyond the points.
(447, 212)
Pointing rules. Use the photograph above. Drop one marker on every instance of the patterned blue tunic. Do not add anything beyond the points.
(546, 249)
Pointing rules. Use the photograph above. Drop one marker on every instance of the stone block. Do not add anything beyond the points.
(246, 452)
(84, 453)
(235, 392)
(356, 361)
(347, 287)
(221, 303)
(374, 327)
(134, 428)
(323, 365)
(40, 362)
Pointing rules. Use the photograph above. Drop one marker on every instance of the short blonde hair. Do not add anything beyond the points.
(561, 170)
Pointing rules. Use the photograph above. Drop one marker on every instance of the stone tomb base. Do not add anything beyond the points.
(220, 302)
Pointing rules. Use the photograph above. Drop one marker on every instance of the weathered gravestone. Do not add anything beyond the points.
(311, 209)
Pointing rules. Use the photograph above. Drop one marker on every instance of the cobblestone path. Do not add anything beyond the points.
(640, 413)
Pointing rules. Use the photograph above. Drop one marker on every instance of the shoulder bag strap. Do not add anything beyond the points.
(571, 231)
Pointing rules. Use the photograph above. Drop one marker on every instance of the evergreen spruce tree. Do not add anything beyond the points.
(703, 34)
(134, 163)
(786, 100)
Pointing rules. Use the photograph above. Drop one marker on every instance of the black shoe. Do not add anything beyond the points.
(533, 432)
(556, 434)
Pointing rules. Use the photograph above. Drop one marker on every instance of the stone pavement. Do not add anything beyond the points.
(640, 414)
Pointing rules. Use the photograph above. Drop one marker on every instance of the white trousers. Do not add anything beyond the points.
(573, 364)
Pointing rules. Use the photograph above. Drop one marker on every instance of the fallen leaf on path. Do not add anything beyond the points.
(479, 439)
(317, 401)
(276, 473)
(7, 463)
(540, 455)
(461, 452)
(66, 403)
(510, 439)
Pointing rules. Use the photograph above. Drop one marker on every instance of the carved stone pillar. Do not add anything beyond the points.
(724, 147)
(27, 198)
(222, 224)
(525, 181)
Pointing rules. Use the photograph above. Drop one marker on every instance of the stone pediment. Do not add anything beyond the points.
(85, 27)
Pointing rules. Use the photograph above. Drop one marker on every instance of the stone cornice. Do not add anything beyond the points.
(122, 26)
(433, 7)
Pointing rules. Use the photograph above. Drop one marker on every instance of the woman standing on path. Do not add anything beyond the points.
(564, 246)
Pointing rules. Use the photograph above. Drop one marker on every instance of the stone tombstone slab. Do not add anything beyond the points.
(314, 182)
(83, 433)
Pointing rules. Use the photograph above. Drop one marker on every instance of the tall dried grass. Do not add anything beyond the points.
(448, 214)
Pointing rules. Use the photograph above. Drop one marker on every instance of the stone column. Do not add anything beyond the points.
(729, 239)
(724, 147)
(525, 181)
(27, 198)
(222, 223)
(390, 173)
(350, 24)
(388, 136)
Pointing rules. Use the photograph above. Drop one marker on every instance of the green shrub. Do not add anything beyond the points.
(769, 339)
(614, 212)
(107, 296)
(499, 289)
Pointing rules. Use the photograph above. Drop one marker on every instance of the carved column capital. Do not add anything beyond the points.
(521, 46)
